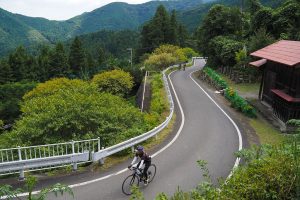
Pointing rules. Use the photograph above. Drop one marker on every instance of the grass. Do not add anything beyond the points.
(267, 134)
(242, 87)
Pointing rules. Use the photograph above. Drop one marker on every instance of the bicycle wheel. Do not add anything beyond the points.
(128, 183)
(151, 172)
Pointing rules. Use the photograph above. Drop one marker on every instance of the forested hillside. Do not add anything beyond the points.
(17, 29)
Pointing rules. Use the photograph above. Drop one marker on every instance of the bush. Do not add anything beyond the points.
(239, 103)
(217, 79)
(236, 101)
(159, 103)
(116, 82)
(159, 61)
(158, 100)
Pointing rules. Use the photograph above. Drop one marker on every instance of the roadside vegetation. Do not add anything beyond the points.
(30, 183)
(268, 172)
(237, 102)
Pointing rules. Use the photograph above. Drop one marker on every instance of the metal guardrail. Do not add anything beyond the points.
(32, 158)
(36, 157)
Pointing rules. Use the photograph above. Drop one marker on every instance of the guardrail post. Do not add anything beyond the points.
(101, 161)
(22, 175)
(99, 144)
(73, 152)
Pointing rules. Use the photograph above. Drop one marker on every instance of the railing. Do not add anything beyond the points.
(42, 156)
(32, 158)
(285, 110)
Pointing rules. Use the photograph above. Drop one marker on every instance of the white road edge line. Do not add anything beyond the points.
(124, 170)
(237, 161)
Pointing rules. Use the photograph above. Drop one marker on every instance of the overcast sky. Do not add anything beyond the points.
(56, 9)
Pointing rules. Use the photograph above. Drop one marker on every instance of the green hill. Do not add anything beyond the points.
(18, 30)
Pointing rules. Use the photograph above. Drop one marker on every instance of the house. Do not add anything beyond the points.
(280, 84)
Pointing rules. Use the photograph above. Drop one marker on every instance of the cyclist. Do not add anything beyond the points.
(145, 159)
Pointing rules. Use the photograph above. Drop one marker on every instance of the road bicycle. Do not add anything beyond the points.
(136, 178)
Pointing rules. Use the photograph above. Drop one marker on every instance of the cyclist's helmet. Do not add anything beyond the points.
(140, 148)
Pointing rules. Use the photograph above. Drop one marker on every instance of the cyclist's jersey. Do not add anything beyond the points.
(144, 157)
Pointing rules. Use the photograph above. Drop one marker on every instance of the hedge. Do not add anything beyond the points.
(235, 99)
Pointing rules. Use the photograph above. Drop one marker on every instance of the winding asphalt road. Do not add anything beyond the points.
(206, 134)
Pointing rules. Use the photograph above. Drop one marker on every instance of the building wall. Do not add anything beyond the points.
(282, 77)
(287, 79)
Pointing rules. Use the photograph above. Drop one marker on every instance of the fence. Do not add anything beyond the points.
(43, 156)
(33, 158)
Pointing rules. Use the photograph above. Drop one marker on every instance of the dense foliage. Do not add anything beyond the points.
(239, 102)
(63, 109)
(166, 55)
(116, 82)
(218, 81)
(235, 99)
(162, 29)
(226, 30)
(159, 103)
(11, 96)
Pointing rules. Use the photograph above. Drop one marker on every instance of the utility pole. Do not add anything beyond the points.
(242, 6)
(130, 49)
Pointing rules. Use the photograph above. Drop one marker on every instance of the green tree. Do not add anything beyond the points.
(100, 56)
(6, 74)
(117, 82)
(74, 111)
(77, 57)
(18, 61)
(59, 61)
(90, 68)
(259, 40)
(1, 128)
(11, 98)
(54, 85)
(220, 20)
(173, 31)
(286, 19)
(189, 53)
(182, 35)
(254, 6)
(262, 19)
(224, 49)
(43, 61)
(160, 61)
(162, 29)
(157, 31)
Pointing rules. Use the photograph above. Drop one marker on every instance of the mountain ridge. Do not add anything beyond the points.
(16, 29)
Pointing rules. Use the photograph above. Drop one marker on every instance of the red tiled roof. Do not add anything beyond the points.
(258, 63)
(285, 52)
